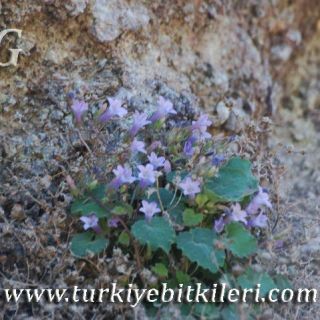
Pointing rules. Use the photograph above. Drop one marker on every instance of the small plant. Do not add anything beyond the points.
(179, 208)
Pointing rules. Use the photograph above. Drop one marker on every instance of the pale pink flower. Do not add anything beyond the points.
(219, 224)
(202, 123)
(113, 222)
(155, 145)
(156, 161)
(149, 209)
(260, 221)
(188, 148)
(190, 187)
(199, 128)
(237, 214)
(115, 109)
(259, 200)
(139, 121)
(137, 146)
(123, 174)
(91, 221)
(147, 175)
(167, 166)
(79, 108)
(164, 108)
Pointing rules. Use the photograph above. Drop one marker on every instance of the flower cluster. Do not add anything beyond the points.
(149, 165)
(174, 189)
(251, 216)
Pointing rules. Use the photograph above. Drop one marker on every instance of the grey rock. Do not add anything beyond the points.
(281, 52)
(113, 17)
(223, 112)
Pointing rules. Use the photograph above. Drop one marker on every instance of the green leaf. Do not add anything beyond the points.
(207, 311)
(233, 182)
(190, 218)
(124, 238)
(157, 233)
(228, 279)
(85, 207)
(251, 278)
(239, 240)
(282, 282)
(176, 212)
(99, 192)
(186, 311)
(84, 243)
(123, 209)
(160, 269)
(202, 199)
(198, 245)
(183, 278)
(230, 312)
(166, 197)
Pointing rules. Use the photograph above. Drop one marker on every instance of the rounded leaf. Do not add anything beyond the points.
(157, 233)
(84, 243)
(198, 246)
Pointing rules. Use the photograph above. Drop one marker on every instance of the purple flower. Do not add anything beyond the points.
(260, 221)
(199, 127)
(167, 166)
(232, 138)
(217, 159)
(147, 175)
(188, 149)
(155, 145)
(237, 214)
(137, 146)
(139, 121)
(259, 200)
(219, 224)
(165, 107)
(123, 174)
(115, 109)
(156, 161)
(202, 123)
(79, 108)
(71, 95)
(113, 222)
(91, 221)
(149, 209)
(190, 187)
(279, 244)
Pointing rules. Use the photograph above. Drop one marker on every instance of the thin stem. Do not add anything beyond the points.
(135, 246)
(177, 202)
(158, 194)
(174, 196)
(133, 195)
(84, 143)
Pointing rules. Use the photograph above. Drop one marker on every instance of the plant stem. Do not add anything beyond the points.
(158, 194)
(135, 245)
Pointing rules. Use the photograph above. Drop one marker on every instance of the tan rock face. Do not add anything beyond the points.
(112, 18)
